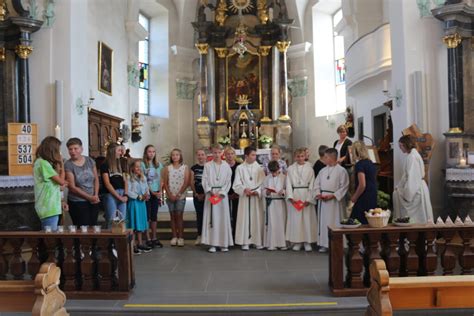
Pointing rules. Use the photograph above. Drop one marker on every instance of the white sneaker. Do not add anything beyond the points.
(180, 242)
(283, 248)
(271, 249)
(245, 247)
(225, 249)
(259, 247)
(174, 241)
(212, 249)
(307, 247)
(323, 249)
(198, 241)
(297, 247)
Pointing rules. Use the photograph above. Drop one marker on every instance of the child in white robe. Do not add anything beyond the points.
(301, 224)
(216, 181)
(330, 188)
(275, 208)
(248, 180)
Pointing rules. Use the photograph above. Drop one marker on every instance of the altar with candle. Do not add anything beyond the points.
(242, 91)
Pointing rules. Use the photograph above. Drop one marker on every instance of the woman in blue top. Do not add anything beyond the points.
(151, 168)
(365, 195)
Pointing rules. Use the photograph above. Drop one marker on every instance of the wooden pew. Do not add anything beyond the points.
(40, 296)
(387, 294)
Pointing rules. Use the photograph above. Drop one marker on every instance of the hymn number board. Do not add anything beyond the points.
(22, 143)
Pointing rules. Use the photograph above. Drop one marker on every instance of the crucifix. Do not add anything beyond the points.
(243, 125)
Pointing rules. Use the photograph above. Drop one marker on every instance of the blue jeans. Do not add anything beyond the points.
(111, 205)
(51, 221)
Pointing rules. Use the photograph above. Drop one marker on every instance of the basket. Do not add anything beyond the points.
(118, 224)
(378, 221)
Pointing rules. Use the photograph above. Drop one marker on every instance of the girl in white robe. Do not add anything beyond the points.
(301, 224)
(330, 188)
(216, 181)
(248, 181)
(411, 196)
(275, 208)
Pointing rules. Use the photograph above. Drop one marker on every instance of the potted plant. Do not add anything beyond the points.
(265, 140)
(224, 140)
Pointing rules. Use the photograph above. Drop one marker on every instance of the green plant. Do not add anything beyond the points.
(383, 199)
(223, 140)
(264, 139)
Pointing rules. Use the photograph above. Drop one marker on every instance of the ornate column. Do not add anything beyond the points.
(275, 84)
(203, 49)
(284, 111)
(221, 114)
(23, 51)
(264, 52)
(455, 83)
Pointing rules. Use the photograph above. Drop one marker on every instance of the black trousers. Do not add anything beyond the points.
(233, 207)
(83, 213)
(199, 207)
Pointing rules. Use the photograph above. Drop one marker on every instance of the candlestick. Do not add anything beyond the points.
(462, 162)
(385, 85)
(256, 135)
(57, 132)
(91, 96)
(230, 133)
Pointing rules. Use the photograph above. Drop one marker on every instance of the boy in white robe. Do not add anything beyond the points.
(330, 188)
(216, 181)
(275, 208)
(248, 181)
(411, 196)
(301, 223)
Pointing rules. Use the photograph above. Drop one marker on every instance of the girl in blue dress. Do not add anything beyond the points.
(138, 194)
(365, 195)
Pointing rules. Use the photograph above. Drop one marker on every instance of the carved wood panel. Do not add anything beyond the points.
(101, 127)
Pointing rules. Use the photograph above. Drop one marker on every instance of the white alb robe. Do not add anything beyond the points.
(216, 228)
(412, 197)
(301, 225)
(330, 180)
(275, 212)
(250, 217)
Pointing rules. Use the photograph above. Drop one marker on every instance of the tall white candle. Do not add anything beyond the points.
(57, 132)
(385, 85)
(59, 102)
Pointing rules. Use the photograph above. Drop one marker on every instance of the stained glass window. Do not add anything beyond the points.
(143, 67)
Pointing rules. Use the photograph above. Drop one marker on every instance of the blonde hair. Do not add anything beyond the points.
(181, 160)
(112, 160)
(359, 151)
(341, 128)
(133, 176)
(299, 151)
(216, 146)
(229, 149)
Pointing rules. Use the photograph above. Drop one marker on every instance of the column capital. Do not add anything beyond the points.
(283, 46)
(453, 40)
(202, 48)
(264, 50)
(284, 118)
(23, 51)
(221, 52)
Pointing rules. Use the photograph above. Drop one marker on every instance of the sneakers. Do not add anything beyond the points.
(245, 247)
(271, 249)
(198, 241)
(297, 247)
(323, 249)
(259, 247)
(283, 248)
(212, 249)
(225, 249)
(144, 248)
(180, 242)
(174, 241)
(157, 243)
(150, 244)
(136, 251)
(307, 247)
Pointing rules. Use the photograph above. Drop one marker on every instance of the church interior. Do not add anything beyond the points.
(188, 74)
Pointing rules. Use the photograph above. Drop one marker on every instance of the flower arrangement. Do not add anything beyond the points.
(224, 140)
(264, 139)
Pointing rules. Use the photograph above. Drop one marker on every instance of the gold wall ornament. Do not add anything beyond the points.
(283, 46)
(262, 11)
(221, 52)
(220, 12)
(266, 119)
(202, 48)
(242, 99)
(3, 54)
(3, 10)
(284, 118)
(452, 41)
(455, 130)
(264, 50)
(221, 121)
(23, 51)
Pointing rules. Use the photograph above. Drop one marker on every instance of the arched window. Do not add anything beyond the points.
(143, 65)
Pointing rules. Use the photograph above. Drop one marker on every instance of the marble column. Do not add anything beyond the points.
(283, 48)
(203, 49)
(264, 53)
(23, 51)
(275, 84)
(221, 109)
(455, 83)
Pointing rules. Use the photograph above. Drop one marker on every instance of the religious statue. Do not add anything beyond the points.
(49, 15)
(220, 12)
(136, 125)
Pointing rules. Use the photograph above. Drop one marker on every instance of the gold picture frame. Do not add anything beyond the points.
(105, 68)
(373, 154)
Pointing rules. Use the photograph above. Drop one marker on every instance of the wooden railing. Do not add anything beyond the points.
(93, 265)
(407, 251)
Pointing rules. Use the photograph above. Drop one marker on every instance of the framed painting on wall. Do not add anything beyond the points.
(106, 59)
(243, 78)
